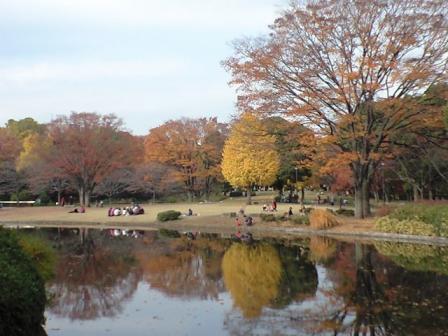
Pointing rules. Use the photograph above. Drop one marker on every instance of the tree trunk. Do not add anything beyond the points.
(362, 187)
(87, 199)
(415, 192)
(302, 197)
(249, 196)
(81, 196)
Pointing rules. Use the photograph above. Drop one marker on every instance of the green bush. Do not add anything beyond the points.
(345, 212)
(168, 215)
(22, 291)
(268, 217)
(300, 220)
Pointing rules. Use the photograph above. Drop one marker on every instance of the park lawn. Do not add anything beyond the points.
(99, 215)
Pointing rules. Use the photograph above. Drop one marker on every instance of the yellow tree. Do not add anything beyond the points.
(250, 156)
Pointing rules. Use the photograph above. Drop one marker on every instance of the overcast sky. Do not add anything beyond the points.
(147, 61)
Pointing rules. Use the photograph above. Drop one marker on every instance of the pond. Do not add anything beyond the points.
(115, 282)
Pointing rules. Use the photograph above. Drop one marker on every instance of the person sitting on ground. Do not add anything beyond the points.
(237, 221)
(117, 212)
(265, 207)
(137, 210)
(110, 212)
(190, 212)
(248, 221)
(290, 211)
(81, 209)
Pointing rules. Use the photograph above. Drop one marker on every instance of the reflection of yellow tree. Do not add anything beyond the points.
(322, 248)
(252, 275)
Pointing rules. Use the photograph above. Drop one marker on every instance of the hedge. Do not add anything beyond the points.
(168, 215)
(22, 290)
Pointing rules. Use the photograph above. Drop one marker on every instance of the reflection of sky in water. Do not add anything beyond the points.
(150, 312)
(176, 287)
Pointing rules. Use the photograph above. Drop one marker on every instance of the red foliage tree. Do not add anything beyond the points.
(87, 147)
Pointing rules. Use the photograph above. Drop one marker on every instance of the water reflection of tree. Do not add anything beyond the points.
(183, 268)
(263, 275)
(365, 294)
(383, 299)
(299, 276)
(93, 277)
(252, 275)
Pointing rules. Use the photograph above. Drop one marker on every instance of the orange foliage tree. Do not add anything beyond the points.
(193, 148)
(346, 68)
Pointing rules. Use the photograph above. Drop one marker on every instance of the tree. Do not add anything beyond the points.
(87, 147)
(250, 156)
(9, 146)
(292, 172)
(115, 183)
(346, 68)
(192, 147)
(24, 127)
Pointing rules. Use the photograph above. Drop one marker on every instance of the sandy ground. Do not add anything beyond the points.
(207, 215)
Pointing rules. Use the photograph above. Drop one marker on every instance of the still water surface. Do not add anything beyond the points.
(151, 283)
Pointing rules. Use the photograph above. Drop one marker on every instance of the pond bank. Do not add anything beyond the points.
(349, 231)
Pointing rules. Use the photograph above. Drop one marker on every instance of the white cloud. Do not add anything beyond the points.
(39, 72)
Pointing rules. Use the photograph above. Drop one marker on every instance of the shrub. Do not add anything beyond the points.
(168, 215)
(268, 217)
(236, 193)
(429, 220)
(322, 219)
(300, 220)
(410, 226)
(345, 212)
(22, 291)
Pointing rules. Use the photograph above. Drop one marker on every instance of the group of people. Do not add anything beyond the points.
(126, 211)
(271, 207)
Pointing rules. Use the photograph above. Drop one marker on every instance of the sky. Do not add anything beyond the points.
(147, 61)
